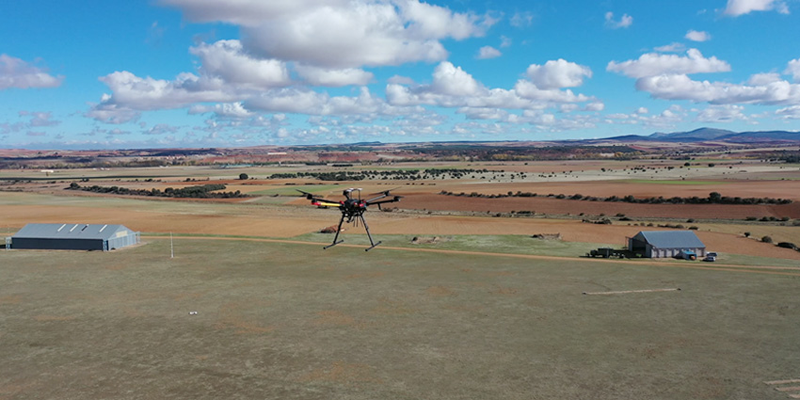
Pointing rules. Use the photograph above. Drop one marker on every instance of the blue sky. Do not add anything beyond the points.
(204, 73)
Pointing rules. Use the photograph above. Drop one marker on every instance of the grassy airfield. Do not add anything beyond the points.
(291, 321)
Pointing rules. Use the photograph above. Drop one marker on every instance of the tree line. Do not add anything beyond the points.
(713, 198)
(209, 191)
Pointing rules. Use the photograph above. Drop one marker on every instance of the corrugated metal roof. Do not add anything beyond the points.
(672, 239)
(72, 231)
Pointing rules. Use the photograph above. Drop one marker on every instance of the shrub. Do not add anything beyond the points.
(243, 177)
(747, 234)
(766, 239)
(787, 245)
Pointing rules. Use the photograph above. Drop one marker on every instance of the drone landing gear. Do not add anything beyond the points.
(339, 228)
(366, 227)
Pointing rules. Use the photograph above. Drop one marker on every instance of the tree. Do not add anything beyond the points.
(243, 177)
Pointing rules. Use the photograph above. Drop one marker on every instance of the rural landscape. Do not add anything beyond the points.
(483, 286)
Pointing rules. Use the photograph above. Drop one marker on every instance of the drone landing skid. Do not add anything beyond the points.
(339, 228)
(332, 244)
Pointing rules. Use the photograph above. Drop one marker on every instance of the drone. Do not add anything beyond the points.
(353, 209)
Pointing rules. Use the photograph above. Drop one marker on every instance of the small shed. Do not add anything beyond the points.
(662, 244)
(74, 237)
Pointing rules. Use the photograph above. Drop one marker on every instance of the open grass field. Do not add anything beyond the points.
(291, 321)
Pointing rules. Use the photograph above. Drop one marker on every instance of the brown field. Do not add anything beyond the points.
(424, 211)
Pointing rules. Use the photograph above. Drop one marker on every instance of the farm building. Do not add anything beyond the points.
(661, 244)
(73, 237)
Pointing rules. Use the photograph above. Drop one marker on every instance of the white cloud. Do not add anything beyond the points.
(112, 113)
(529, 90)
(161, 129)
(228, 110)
(333, 77)
(138, 93)
(486, 52)
(557, 74)
(521, 20)
(304, 101)
(624, 21)
(697, 36)
(505, 41)
(454, 87)
(39, 119)
(793, 69)
(764, 79)
(671, 48)
(642, 111)
(226, 59)
(595, 106)
(681, 87)
(341, 33)
(453, 81)
(16, 73)
(401, 80)
(724, 113)
(652, 64)
(792, 112)
(736, 8)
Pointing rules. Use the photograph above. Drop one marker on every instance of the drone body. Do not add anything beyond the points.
(352, 210)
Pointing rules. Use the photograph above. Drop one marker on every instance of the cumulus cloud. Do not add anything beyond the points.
(111, 113)
(341, 33)
(227, 110)
(226, 74)
(723, 113)
(697, 36)
(454, 87)
(623, 22)
(16, 73)
(736, 8)
(652, 64)
(147, 93)
(454, 81)
(487, 52)
(792, 112)
(304, 101)
(333, 77)
(557, 74)
(681, 87)
(793, 69)
(227, 60)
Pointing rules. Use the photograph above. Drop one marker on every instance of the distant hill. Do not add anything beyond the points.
(711, 134)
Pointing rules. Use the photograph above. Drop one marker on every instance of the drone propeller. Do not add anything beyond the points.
(385, 192)
(308, 195)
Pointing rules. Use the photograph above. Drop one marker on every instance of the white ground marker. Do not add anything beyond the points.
(634, 291)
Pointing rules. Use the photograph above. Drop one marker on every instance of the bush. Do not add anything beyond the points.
(766, 239)
(243, 177)
(787, 245)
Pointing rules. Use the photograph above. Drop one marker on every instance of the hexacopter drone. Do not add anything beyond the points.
(353, 209)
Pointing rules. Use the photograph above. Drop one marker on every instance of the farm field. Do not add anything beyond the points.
(293, 321)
